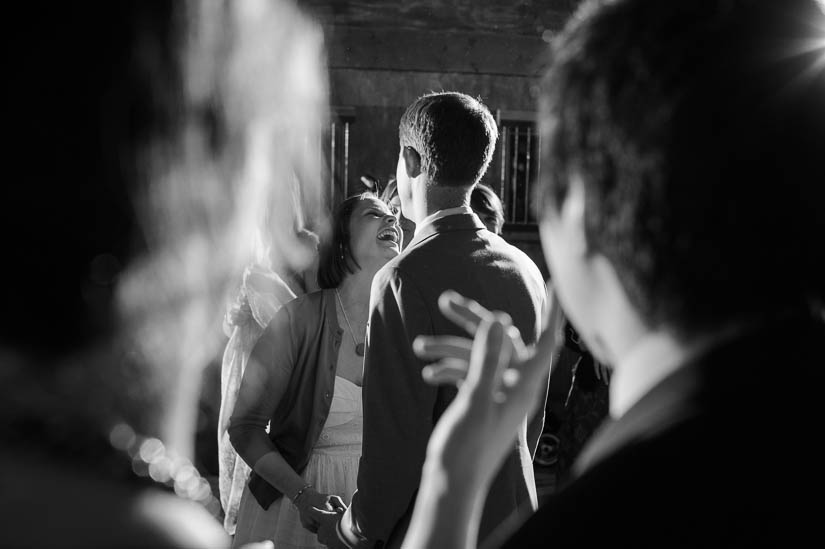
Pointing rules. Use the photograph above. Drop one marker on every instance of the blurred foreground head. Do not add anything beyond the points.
(695, 131)
(151, 141)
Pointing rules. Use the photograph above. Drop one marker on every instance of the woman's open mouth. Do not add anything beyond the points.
(390, 234)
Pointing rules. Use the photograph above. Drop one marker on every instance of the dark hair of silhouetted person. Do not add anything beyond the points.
(703, 174)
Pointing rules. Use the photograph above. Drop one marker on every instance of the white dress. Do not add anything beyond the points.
(332, 469)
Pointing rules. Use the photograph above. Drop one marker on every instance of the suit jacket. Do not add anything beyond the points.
(724, 452)
(400, 409)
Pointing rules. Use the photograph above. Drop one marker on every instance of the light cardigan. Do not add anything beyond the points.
(288, 383)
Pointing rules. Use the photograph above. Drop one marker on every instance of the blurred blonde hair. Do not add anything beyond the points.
(257, 68)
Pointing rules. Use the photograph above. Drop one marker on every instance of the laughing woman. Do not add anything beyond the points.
(297, 421)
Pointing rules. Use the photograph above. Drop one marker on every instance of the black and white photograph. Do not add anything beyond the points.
(420, 274)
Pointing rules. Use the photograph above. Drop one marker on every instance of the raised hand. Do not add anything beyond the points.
(499, 382)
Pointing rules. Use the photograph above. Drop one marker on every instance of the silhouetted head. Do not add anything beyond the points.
(693, 132)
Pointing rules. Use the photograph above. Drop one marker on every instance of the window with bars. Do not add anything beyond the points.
(337, 147)
(516, 165)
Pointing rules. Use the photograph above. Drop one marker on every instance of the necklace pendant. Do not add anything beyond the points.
(359, 349)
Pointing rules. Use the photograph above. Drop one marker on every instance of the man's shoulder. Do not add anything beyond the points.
(390, 272)
(428, 259)
(518, 261)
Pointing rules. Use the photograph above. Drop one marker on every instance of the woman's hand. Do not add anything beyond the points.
(310, 504)
(240, 312)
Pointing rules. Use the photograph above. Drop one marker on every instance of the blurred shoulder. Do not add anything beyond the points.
(176, 522)
(52, 504)
(308, 303)
(264, 280)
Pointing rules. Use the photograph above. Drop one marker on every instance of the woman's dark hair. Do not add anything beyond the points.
(486, 203)
(335, 260)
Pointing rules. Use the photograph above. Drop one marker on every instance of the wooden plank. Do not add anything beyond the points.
(530, 17)
(431, 51)
(380, 88)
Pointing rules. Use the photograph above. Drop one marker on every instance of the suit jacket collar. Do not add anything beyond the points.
(714, 377)
(457, 222)
(667, 404)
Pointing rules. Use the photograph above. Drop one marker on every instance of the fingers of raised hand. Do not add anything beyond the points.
(464, 312)
(447, 371)
(491, 355)
(439, 347)
(268, 544)
(528, 374)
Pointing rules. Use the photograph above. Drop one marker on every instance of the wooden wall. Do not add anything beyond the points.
(383, 54)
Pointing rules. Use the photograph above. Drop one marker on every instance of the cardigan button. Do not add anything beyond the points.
(326, 395)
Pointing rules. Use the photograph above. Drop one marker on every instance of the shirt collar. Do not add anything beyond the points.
(649, 361)
(430, 219)
(653, 358)
(640, 402)
(648, 390)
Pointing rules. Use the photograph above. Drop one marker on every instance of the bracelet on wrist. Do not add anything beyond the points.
(300, 492)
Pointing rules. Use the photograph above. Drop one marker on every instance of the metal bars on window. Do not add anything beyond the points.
(338, 148)
(518, 167)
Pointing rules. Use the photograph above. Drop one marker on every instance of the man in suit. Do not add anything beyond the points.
(447, 140)
(682, 220)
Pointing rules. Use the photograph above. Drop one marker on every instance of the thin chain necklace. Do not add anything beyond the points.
(359, 347)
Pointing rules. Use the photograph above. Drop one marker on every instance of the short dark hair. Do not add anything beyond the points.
(485, 201)
(454, 134)
(698, 133)
(335, 259)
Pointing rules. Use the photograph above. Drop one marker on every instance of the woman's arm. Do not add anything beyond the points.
(264, 384)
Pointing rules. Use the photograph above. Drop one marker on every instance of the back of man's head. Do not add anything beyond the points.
(698, 129)
(454, 135)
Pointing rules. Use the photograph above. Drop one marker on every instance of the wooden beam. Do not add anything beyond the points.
(501, 16)
(462, 52)
(397, 89)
